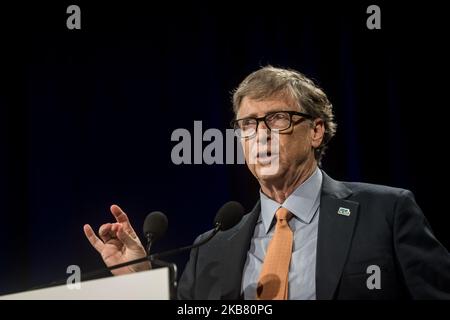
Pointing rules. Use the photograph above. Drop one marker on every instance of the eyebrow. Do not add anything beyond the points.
(253, 114)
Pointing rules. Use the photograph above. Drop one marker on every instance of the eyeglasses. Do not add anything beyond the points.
(278, 120)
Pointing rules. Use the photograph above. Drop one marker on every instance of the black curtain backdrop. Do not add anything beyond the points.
(86, 116)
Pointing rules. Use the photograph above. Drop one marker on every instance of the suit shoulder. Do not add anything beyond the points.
(377, 200)
(376, 190)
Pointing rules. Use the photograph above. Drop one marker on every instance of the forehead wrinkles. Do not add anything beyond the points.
(281, 98)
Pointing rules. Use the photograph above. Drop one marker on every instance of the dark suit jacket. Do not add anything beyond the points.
(385, 228)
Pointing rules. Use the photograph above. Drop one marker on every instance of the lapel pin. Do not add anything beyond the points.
(344, 211)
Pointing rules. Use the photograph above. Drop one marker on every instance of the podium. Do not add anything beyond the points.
(146, 285)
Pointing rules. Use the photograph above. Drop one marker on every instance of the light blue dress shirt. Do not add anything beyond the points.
(304, 204)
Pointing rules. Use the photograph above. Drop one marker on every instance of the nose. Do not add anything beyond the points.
(263, 133)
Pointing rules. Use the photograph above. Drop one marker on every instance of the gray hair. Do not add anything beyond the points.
(269, 81)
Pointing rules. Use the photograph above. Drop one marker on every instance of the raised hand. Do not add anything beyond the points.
(118, 243)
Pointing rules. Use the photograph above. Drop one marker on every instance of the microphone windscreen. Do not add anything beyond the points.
(229, 215)
(155, 224)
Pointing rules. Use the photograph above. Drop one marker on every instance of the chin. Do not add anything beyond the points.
(268, 173)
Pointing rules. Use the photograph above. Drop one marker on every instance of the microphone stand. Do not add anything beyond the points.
(179, 250)
(173, 283)
(154, 259)
(155, 262)
(156, 256)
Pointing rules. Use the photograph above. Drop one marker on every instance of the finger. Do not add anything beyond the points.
(105, 232)
(122, 217)
(114, 229)
(128, 240)
(119, 214)
(93, 239)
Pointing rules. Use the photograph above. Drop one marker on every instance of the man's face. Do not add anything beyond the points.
(271, 158)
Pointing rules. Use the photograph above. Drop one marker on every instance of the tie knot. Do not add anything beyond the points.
(283, 214)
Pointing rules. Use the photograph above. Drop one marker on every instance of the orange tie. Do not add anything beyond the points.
(274, 276)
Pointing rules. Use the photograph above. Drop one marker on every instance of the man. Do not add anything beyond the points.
(309, 236)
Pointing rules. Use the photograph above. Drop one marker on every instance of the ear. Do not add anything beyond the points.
(317, 132)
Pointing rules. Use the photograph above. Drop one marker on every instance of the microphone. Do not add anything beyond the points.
(155, 226)
(227, 217)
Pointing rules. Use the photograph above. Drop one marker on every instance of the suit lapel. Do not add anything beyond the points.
(334, 239)
(334, 235)
(234, 255)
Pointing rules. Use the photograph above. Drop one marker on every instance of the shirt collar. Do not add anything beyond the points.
(302, 203)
